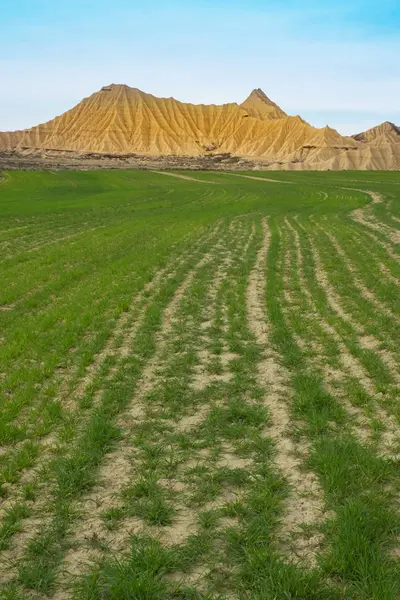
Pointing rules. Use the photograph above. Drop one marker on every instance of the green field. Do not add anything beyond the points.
(200, 386)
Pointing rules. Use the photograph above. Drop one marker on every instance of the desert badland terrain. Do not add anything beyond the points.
(123, 126)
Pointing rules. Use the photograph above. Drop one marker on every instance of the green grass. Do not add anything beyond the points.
(137, 437)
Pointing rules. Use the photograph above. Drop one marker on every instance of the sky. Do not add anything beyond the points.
(333, 63)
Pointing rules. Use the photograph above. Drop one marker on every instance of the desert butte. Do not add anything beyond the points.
(119, 120)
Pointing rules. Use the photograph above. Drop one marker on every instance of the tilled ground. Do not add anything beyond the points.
(233, 432)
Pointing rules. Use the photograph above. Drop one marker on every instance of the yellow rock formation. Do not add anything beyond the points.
(120, 120)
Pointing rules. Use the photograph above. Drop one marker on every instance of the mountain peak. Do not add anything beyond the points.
(258, 105)
(118, 87)
(386, 128)
(259, 93)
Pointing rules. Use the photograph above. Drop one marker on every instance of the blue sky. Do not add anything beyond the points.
(334, 63)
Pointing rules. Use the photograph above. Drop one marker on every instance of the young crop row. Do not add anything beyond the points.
(232, 428)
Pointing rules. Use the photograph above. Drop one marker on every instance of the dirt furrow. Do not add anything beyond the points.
(332, 297)
(359, 329)
(50, 442)
(350, 364)
(392, 234)
(21, 245)
(364, 216)
(185, 520)
(123, 331)
(14, 229)
(384, 269)
(185, 177)
(116, 470)
(4, 177)
(388, 249)
(203, 377)
(388, 274)
(364, 291)
(7, 307)
(258, 178)
(218, 321)
(305, 506)
(65, 237)
(122, 328)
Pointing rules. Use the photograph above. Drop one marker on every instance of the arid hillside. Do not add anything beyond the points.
(123, 120)
(378, 149)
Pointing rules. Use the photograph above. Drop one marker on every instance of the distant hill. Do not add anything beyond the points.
(121, 120)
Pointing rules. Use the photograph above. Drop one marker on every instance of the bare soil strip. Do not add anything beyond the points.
(387, 247)
(371, 181)
(377, 198)
(62, 239)
(7, 307)
(48, 444)
(185, 177)
(123, 331)
(122, 328)
(360, 425)
(203, 377)
(4, 178)
(364, 291)
(218, 320)
(350, 364)
(363, 216)
(393, 235)
(384, 269)
(14, 229)
(63, 176)
(305, 505)
(258, 178)
(331, 295)
(322, 278)
(116, 471)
